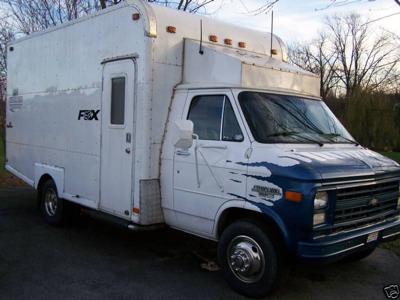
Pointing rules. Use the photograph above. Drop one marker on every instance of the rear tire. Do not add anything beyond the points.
(52, 207)
(359, 255)
(250, 259)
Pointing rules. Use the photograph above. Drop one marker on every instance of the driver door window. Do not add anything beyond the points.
(214, 119)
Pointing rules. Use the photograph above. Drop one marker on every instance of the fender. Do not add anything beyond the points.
(56, 173)
(228, 204)
(264, 209)
(255, 207)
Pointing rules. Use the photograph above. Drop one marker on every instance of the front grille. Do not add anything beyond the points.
(357, 206)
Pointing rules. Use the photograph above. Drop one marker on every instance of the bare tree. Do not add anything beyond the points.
(6, 34)
(317, 57)
(349, 56)
(33, 15)
(185, 5)
(364, 61)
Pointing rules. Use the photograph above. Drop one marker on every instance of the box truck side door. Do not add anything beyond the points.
(222, 143)
(117, 148)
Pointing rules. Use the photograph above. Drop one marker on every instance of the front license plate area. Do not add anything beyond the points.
(372, 237)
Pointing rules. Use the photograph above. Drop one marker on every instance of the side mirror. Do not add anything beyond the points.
(183, 134)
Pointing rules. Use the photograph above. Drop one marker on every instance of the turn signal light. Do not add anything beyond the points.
(293, 196)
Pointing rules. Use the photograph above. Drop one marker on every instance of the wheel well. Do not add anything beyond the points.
(234, 214)
(42, 180)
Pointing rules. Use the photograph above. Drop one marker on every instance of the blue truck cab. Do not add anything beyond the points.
(254, 159)
(274, 176)
(332, 197)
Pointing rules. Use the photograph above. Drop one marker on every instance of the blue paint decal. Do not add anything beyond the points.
(234, 180)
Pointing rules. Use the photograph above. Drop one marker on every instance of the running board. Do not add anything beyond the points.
(137, 227)
(119, 221)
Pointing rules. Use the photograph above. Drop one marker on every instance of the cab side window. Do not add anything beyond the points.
(214, 119)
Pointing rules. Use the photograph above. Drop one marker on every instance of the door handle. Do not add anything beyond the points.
(128, 150)
(214, 147)
(9, 125)
(128, 138)
(182, 153)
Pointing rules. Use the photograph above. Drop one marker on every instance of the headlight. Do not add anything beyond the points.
(321, 200)
(319, 218)
(398, 199)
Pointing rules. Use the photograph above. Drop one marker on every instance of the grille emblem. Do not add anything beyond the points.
(374, 202)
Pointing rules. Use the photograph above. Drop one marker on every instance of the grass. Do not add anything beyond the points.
(393, 155)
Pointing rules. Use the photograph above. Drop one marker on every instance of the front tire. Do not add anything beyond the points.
(51, 206)
(249, 259)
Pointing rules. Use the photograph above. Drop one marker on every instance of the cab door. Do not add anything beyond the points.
(210, 173)
(117, 151)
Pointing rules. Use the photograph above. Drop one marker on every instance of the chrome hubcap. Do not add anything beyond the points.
(51, 202)
(246, 259)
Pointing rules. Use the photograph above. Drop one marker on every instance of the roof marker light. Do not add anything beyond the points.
(228, 42)
(136, 17)
(213, 38)
(242, 45)
(171, 29)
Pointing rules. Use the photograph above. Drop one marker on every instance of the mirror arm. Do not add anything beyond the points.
(212, 173)
(196, 138)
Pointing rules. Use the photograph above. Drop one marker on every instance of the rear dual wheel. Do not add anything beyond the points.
(52, 207)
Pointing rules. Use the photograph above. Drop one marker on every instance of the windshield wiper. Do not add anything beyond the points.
(341, 136)
(296, 134)
(283, 133)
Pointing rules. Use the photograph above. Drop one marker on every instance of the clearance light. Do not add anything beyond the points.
(242, 45)
(136, 210)
(274, 51)
(228, 42)
(213, 38)
(293, 196)
(171, 29)
(135, 17)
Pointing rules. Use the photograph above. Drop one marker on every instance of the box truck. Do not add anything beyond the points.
(153, 116)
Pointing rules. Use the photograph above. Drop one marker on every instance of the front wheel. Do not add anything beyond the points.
(249, 259)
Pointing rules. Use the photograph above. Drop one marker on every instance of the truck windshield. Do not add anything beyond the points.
(276, 118)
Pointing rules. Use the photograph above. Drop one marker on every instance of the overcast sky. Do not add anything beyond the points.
(301, 20)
